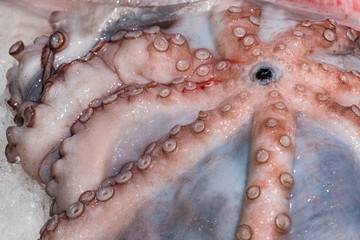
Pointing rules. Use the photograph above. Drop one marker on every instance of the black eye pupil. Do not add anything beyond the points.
(264, 75)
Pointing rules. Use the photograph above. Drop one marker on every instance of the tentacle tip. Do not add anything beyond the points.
(16, 50)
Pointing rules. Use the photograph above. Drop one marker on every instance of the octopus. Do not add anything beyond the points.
(188, 119)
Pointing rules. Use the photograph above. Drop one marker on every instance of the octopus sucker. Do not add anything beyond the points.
(188, 119)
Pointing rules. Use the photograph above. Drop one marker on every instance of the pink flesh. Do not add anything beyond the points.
(93, 151)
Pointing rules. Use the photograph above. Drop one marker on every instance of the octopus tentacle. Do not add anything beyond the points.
(237, 29)
(59, 92)
(340, 85)
(24, 80)
(155, 56)
(266, 205)
(244, 30)
(165, 164)
(149, 108)
(331, 114)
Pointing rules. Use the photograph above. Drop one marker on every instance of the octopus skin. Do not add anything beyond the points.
(154, 128)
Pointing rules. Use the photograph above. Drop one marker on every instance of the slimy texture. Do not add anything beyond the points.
(191, 120)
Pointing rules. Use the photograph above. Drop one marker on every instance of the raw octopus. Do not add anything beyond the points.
(191, 120)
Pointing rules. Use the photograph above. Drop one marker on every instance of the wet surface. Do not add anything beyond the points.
(326, 196)
(204, 204)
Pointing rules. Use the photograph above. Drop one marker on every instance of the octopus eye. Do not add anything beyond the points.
(264, 74)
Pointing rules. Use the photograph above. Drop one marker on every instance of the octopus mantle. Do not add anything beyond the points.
(191, 120)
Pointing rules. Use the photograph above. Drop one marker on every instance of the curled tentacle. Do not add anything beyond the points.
(25, 81)
(63, 99)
